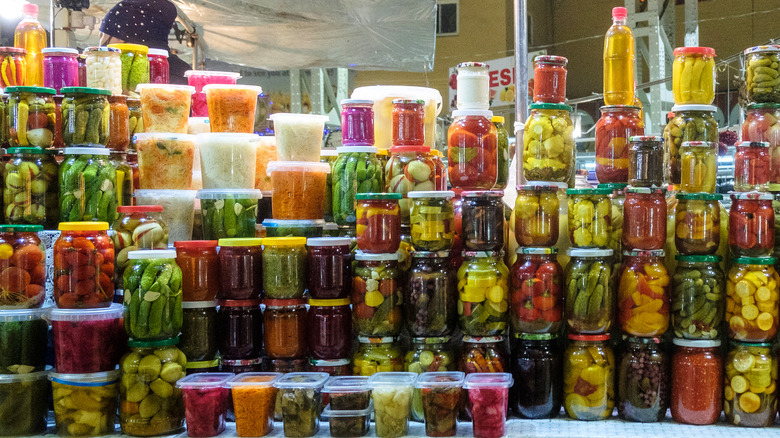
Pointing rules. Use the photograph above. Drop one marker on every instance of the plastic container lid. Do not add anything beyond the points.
(696, 343)
(81, 150)
(85, 90)
(348, 413)
(146, 254)
(141, 87)
(229, 194)
(698, 258)
(645, 190)
(205, 380)
(241, 241)
(706, 51)
(83, 226)
(302, 380)
(139, 208)
(26, 377)
(133, 343)
(392, 378)
(759, 196)
(488, 380)
(114, 311)
(30, 89)
(753, 144)
(254, 379)
(297, 166)
(699, 196)
(292, 117)
(588, 252)
(293, 223)
(240, 303)
(550, 106)
(91, 379)
(334, 302)
(754, 260)
(646, 138)
(328, 153)
(284, 241)
(230, 74)
(360, 255)
(439, 379)
(60, 50)
(20, 228)
(378, 196)
(158, 52)
(619, 12)
(541, 185)
(706, 108)
(16, 315)
(168, 136)
(199, 304)
(576, 337)
(283, 302)
(590, 191)
(328, 241)
(126, 47)
(356, 149)
(766, 48)
(195, 244)
(347, 384)
(537, 251)
(227, 136)
(431, 194)
(254, 88)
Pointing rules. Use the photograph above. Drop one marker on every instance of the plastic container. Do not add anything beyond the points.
(537, 214)
(356, 170)
(616, 125)
(377, 295)
(549, 79)
(200, 268)
(349, 408)
(85, 280)
(752, 299)
(87, 341)
(301, 402)
(104, 69)
(391, 393)
(240, 324)
(489, 400)
(228, 213)
(165, 108)
(752, 165)
(693, 75)
(96, 200)
(441, 401)
(696, 382)
(206, 397)
(761, 72)
(135, 67)
(644, 219)
(483, 220)
(159, 70)
(228, 160)
(328, 270)
(198, 339)
(589, 361)
(60, 67)
(178, 210)
(284, 267)
(26, 190)
(483, 294)
(698, 286)
(232, 107)
(30, 113)
(587, 280)
(254, 402)
(410, 169)
(298, 136)
(29, 410)
(153, 295)
(645, 161)
(619, 61)
(165, 161)
(240, 267)
(85, 404)
(548, 124)
(643, 381)
(15, 66)
(751, 225)
(329, 325)
(201, 78)
(472, 150)
(690, 123)
(537, 368)
(430, 304)
(24, 333)
(298, 189)
(750, 380)
(378, 222)
(537, 291)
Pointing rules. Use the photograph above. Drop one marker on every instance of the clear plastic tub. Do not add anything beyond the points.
(228, 212)
(206, 398)
(165, 160)
(85, 404)
(266, 152)
(87, 341)
(349, 409)
(441, 401)
(299, 189)
(301, 402)
(232, 107)
(391, 393)
(25, 403)
(198, 125)
(23, 348)
(228, 160)
(298, 136)
(254, 402)
(488, 398)
(165, 108)
(293, 228)
(201, 78)
(178, 210)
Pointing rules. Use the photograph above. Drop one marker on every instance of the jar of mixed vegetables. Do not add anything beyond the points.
(690, 123)
(377, 355)
(378, 222)
(431, 218)
(483, 222)
(430, 300)
(588, 377)
(377, 295)
(645, 161)
(31, 118)
(483, 293)
(483, 354)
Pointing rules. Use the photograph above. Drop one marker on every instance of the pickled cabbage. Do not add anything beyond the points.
(165, 161)
(228, 160)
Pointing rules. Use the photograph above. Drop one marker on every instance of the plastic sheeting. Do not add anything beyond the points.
(297, 34)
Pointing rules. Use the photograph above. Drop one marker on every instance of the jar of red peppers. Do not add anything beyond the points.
(408, 122)
(378, 222)
(643, 294)
(644, 219)
(329, 262)
(537, 368)
(199, 265)
(643, 381)
(752, 291)
(697, 223)
(377, 295)
(617, 124)
(158, 66)
(284, 328)
(588, 377)
(752, 166)
(550, 79)
(751, 225)
(537, 291)
(483, 220)
(486, 354)
(696, 381)
(472, 150)
(329, 324)
(239, 325)
(537, 214)
(83, 265)
(22, 267)
(240, 265)
(646, 161)
(761, 124)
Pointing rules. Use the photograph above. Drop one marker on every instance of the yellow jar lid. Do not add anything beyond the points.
(83, 226)
(329, 302)
(241, 241)
(284, 241)
(131, 47)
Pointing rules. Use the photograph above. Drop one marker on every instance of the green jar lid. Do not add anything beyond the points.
(25, 150)
(613, 186)
(750, 344)
(132, 343)
(589, 191)
(550, 106)
(21, 228)
(638, 340)
(203, 364)
(378, 196)
(431, 340)
(29, 89)
(646, 190)
(753, 106)
(536, 336)
(699, 196)
(698, 258)
(754, 260)
(85, 90)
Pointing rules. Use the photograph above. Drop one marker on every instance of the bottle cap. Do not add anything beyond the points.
(619, 13)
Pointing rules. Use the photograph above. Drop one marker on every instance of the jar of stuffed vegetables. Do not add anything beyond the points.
(752, 299)
(590, 217)
(588, 377)
(377, 295)
(643, 381)
(548, 143)
(536, 214)
(483, 220)
(752, 165)
(643, 294)
(698, 297)
(697, 223)
(696, 381)
(483, 354)
(749, 393)
(537, 291)
(483, 294)
(537, 368)
(377, 355)
(644, 219)
(690, 123)
(26, 190)
(589, 291)
(430, 298)
(751, 225)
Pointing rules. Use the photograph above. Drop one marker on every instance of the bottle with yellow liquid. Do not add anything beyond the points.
(619, 61)
(31, 36)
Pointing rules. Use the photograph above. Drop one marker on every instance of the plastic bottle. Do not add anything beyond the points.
(619, 61)
(31, 36)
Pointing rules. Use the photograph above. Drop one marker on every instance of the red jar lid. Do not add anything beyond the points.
(193, 244)
(706, 51)
(576, 337)
(415, 148)
(239, 303)
(139, 208)
(284, 302)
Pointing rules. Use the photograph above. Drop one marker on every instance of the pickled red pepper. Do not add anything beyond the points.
(472, 150)
(752, 166)
(751, 224)
(697, 379)
(617, 124)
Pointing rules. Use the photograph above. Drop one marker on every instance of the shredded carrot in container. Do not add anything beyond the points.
(254, 409)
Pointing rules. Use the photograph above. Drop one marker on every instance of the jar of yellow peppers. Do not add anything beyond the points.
(643, 294)
(536, 213)
(699, 166)
(588, 377)
(693, 75)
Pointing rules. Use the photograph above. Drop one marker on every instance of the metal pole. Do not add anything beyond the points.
(51, 22)
(521, 79)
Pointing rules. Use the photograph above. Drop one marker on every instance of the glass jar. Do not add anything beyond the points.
(617, 124)
(26, 187)
(284, 328)
(137, 227)
(643, 294)
(31, 116)
(377, 355)
(760, 125)
(537, 214)
(336, 367)
(330, 328)
(104, 69)
(643, 381)
(408, 122)
(87, 185)
(550, 79)
(413, 169)
(537, 296)
(22, 267)
(51, 173)
(14, 65)
(30, 393)
(751, 225)
(119, 123)
(752, 299)
(548, 143)
(84, 404)
(24, 348)
(429, 297)
(697, 223)
(124, 177)
(152, 295)
(329, 273)
(60, 67)
(430, 354)
(432, 218)
(752, 164)
(699, 168)
(504, 155)
(644, 219)
(690, 123)
(749, 385)
(135, 66)
(136, 121)
(590, 211)
(356, 170)
(590, 294)
(85, 116)
(225, 213)
(693, 79)
(378, 222)
(199, 265)
(284, 267)
(761, 72)
(83, 266)
(483, 293)
(472, 152)
(240, 267)
(698, 289)
(696, 382)
(357, 122)
(483, 220)
(617, 199)
(149, 402)
(158, 66)
(198, 339)
(239, 324)
(537, 368)
(485, 354)
(588, 377)
(377, 295)
(4, 134)
(646, 161)
(242, 366)
(206, 366)
(285, 366)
